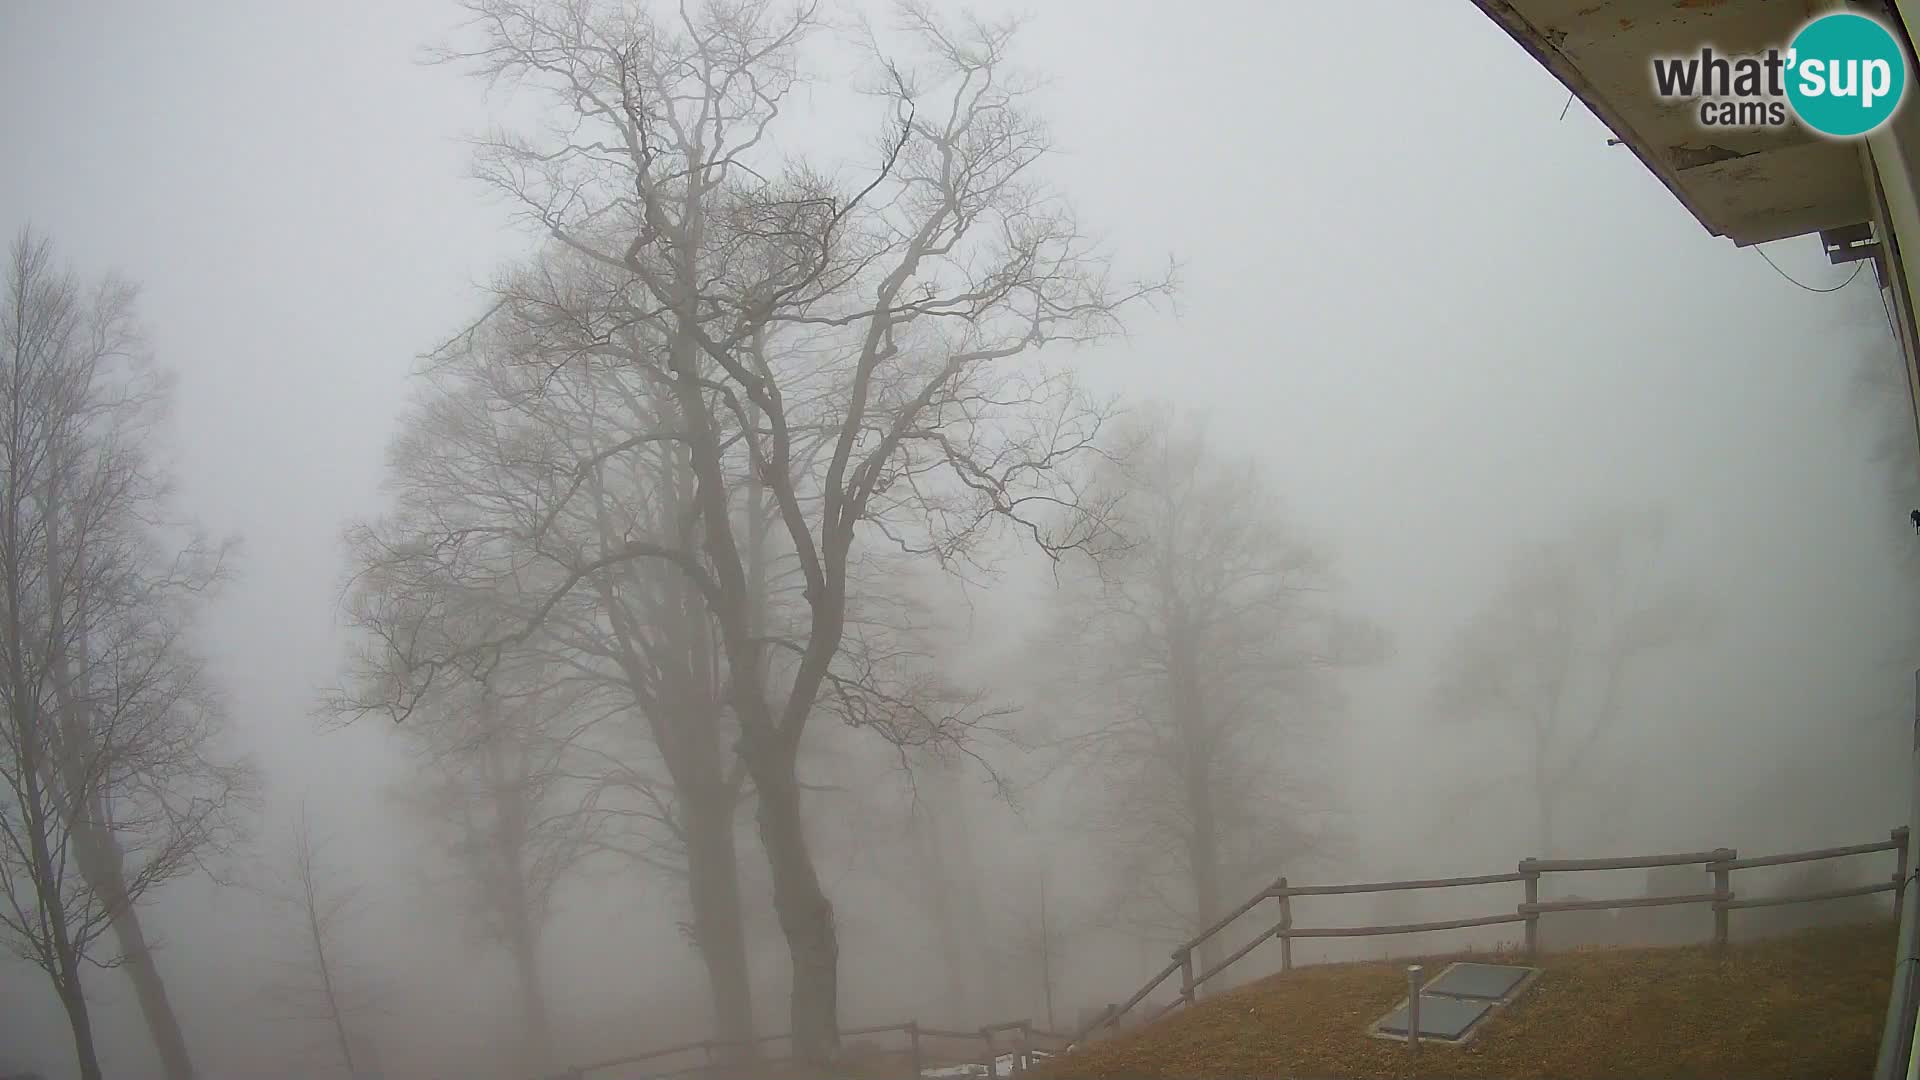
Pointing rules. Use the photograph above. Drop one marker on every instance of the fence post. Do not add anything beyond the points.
(1286, 923)
(1185, 956)
(913, 1046)
(1533, 917)
(1020, 1059)
(993, 1061)
(1900, 869)
(1722, 892)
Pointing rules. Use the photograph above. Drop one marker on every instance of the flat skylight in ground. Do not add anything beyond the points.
(1440, 1017)
(1456, 1000)
(1490, 982)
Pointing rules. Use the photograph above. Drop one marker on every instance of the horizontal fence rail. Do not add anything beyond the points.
(1402, 928)
(1400, 886)
(1539, 866)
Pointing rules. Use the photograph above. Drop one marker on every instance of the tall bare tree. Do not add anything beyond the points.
(1552, 654)
(326, 989)
(773, 304)
(1042, 931)
(1203, 653)
(109, 758)
(494, 782)
(639, 757)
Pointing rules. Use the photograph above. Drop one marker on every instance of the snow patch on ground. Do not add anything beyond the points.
(1002, 1066)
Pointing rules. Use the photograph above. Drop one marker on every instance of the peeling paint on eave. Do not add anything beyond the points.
(1544, 48)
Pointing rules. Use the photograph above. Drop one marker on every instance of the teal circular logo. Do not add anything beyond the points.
(1845, 74)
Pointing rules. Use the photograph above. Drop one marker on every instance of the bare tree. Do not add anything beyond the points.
(638, 754)
(326, 990)
(109, 756)
(1042, 929)
(947, 877)
(493, 783)
(1552, 654)
(1201, 657)
(773, 306)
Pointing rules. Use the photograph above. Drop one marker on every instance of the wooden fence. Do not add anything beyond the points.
(1024, 1043)
(1018, 1040)
(1721, 863)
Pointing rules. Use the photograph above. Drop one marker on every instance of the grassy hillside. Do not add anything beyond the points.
(1804, 1006)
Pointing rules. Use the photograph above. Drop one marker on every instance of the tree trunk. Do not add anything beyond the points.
(536, 1027)
(1197, 744)
(938, 882)
(79, 795)
(1046, 955)
(46, 879)
(805, 913)
(339, 1023)
(1204, 860)
(806, 917)
(102, 864)
(82, 1023)
(504, 771)
(1542, 793)
(714, 887)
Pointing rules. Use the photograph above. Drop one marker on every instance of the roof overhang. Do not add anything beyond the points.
(1750, 185)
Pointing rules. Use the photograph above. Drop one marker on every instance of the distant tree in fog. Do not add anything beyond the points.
(323, 987)
(492, 786)
(950, 890)
(512, 480)
(111, 779)
(1043, 929)
(1201, 658)
(771, 304)
(1552, 655)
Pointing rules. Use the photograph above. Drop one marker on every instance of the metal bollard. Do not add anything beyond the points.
(1413, 1008)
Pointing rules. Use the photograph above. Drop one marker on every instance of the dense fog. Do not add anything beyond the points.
(643, 525)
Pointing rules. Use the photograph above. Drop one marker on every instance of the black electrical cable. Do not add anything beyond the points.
(1809, 288)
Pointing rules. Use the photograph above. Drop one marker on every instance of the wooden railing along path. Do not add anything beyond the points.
(1721, 862)
(1024, 1042)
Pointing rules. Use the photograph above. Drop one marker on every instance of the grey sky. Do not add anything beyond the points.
(1444, 318)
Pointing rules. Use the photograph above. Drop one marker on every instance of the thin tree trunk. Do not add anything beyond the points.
(102, 864)
(536, 1025)
(939, 884)
(1046, 955)
(714, 887)
(66, 957)
(80, 1020)
(326, 975)
(71, 803)
(1203, 838)
(1542, 793)
(46, 882)
(1204, 857)
(683, 710)
(503, 771)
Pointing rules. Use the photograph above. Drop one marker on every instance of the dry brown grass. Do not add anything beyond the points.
(1807, 1006)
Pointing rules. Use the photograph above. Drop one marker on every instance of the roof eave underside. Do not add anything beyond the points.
(1751, 186)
